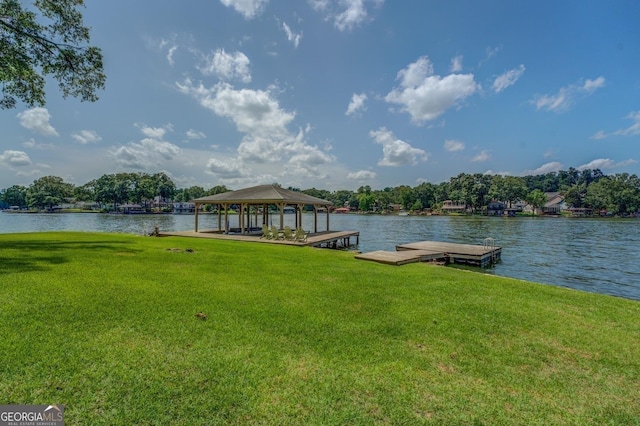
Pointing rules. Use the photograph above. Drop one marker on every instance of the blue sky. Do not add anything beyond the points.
(336, 94)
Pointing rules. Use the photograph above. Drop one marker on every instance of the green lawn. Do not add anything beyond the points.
(106, 325)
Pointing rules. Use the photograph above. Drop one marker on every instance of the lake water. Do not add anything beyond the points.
(601, 256)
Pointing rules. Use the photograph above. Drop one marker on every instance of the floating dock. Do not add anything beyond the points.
(435, 251)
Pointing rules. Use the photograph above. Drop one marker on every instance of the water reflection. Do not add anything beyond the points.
(586, 254)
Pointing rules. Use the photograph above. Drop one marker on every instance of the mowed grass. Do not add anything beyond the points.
(106, 325)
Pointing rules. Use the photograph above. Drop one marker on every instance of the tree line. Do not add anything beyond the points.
(618, 194)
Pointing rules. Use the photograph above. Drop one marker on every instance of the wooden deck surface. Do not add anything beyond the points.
(449, 248)
(316, 239)
(423, 251)
(400, 257)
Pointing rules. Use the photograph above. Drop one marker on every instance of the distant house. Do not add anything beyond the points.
(496, 208)
(184, 208)
(580, 211)
(131, 209)
(88, 205)
(449, 206)
(555, 203)
(342, 210)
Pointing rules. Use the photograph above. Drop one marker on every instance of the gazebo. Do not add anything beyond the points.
(261, 197)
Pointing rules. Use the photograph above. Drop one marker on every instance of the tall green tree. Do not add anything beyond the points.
(537, 199)
(48, 39)
(366, 201)
(574, 195)
(48, 191)
(15, 195)
(507, 188)
(185, 195)
(625, 193)
(425, 194)
(343, 197)
(114, 189)
(164, 186)
(85, 192)
(218, 189)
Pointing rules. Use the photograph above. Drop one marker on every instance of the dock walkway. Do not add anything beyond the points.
(425, 251)
(326, 239)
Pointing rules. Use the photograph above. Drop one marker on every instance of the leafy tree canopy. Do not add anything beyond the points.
(47, 38)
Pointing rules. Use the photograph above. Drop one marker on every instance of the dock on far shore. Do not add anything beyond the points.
(434, 251)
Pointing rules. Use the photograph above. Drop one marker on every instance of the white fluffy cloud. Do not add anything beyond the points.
(265, 127)
(553, 166)
(11, 158)
(294, 38)
(154, 132)
(253, 111)
(169, 45)
(566, 96)
(194, 134)
(426, 96)
(632, 130)
(227, 66)
(452, 145)
(481, 156)
(356, 104)
(605, 164)
(37, 120)
(361, 175)
(456, 64)
(32, 144)
(345, 14)
(247, 8)
(225, 169)
(86, 136)
(507, 79)
(396, 152)
(593, 85)
(148, 153)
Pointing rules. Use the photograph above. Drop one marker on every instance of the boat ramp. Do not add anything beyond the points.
(434, 251)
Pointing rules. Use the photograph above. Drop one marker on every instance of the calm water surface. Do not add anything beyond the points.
(600, 256)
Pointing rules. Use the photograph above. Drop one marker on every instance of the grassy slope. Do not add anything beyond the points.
(105, 324)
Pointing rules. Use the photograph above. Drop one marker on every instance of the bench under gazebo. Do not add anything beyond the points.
(261, 198)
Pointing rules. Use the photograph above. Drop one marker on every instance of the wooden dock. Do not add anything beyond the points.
(326, 239)
(425, 251)
(401, 257)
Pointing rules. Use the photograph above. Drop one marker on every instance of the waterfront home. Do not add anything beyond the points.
(342, 210)
(580, 211)
(184, 208)
(131, 209)
(495, 208)
(555, 203)
(450, 206)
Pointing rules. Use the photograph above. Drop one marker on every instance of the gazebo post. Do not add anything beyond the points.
(196, 218)
(299, 216)
(327, 209)
(226, 218)
(281, 215)
(255, 215)
(315, 219)
(219, 217)
(247, 223)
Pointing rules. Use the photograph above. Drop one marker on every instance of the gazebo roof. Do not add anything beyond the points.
(263, 194)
